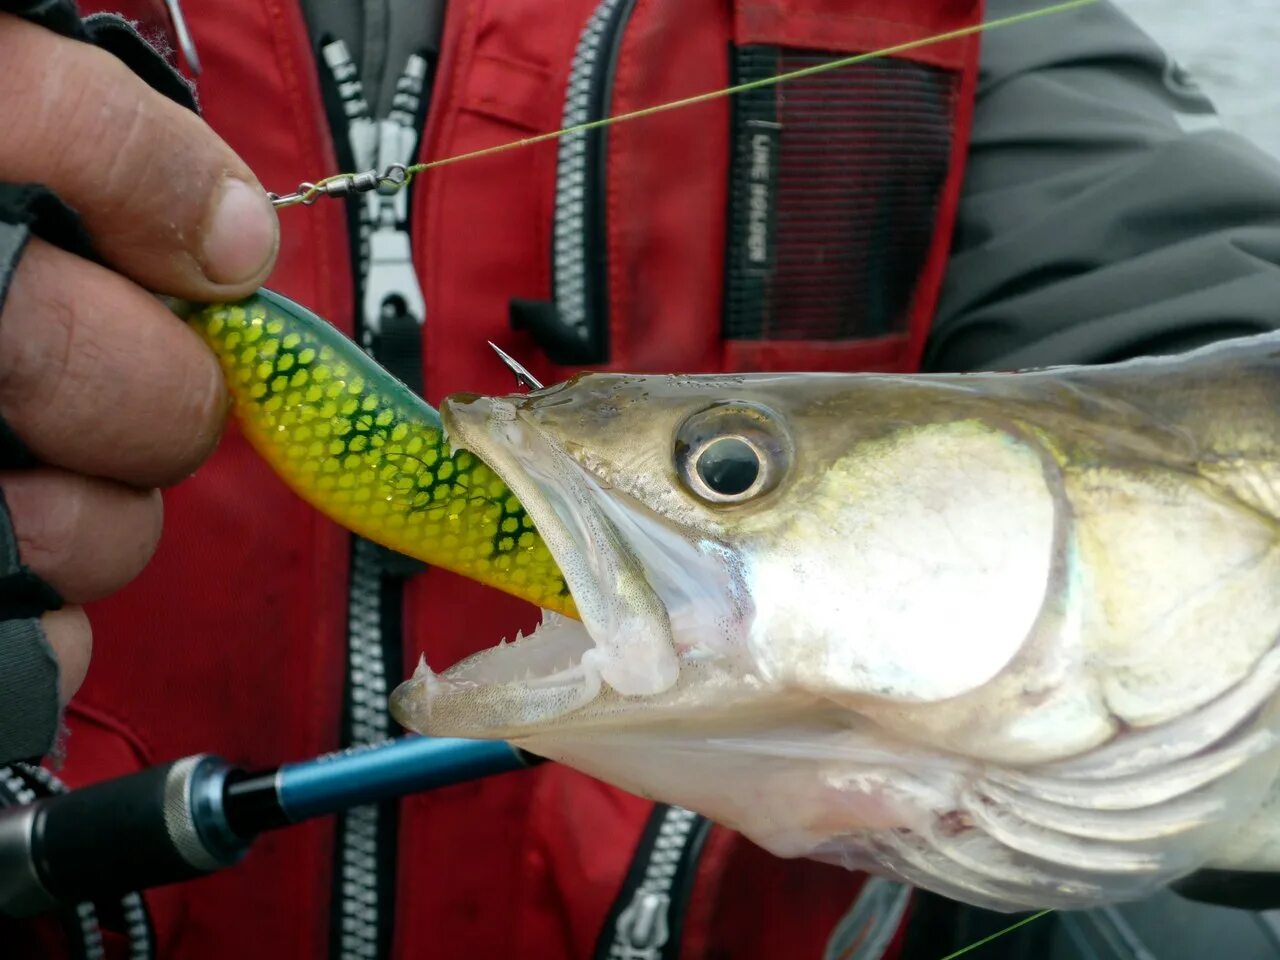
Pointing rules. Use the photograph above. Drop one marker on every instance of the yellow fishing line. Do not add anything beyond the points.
(313, 191)
(997, 935)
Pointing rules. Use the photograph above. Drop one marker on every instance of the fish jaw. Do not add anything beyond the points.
(636, 583)
(531, 681)
(633, 648)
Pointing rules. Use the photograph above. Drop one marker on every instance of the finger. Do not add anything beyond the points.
(86, 538)
(99, 378)
(166, 200)
(71, 638)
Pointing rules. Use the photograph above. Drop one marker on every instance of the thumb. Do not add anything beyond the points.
(164, 199)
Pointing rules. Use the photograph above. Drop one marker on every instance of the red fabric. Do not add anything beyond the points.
(232, 641)
(855, 26)
(930, 284)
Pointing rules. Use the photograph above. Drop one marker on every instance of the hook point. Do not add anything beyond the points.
(523, 377)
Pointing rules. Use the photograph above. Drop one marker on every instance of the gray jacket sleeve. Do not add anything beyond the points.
(1105, 213)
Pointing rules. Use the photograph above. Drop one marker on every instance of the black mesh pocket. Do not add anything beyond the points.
(834, 190)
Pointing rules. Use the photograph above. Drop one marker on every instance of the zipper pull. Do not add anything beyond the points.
(391, 290)
(391, 287)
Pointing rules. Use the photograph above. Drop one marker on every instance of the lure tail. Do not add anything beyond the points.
(365, 451)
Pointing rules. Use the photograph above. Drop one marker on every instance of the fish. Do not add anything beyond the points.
(1009, 637)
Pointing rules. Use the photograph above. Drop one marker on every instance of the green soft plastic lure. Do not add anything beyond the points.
(365, 451)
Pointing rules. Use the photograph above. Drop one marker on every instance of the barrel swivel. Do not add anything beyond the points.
(393, 178)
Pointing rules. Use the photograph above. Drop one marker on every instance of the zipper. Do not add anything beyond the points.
(647, 917)
(391, 315)
(361, 910)
(579, 241)
(390, 283)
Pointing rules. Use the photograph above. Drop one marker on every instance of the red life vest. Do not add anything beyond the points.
(800, 227)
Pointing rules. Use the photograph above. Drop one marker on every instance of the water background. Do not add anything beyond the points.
(1232, 48)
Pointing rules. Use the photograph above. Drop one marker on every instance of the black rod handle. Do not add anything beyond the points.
(154, 827)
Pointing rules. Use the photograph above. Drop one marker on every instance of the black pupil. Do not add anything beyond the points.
(729, 466)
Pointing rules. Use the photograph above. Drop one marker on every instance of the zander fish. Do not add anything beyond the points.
(1008, 637)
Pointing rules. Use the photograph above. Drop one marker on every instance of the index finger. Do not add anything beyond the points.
(166, 201)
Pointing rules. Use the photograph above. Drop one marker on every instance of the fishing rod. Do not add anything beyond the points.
(200, 814)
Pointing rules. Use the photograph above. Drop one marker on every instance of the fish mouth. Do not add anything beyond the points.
(613, 556)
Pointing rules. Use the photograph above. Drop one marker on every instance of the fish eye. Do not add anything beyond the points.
(729, 466)
(731, 453)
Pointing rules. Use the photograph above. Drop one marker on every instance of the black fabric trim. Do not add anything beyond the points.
(30, 708)
(119, 38)
(40, 210)
(60, 16)
(1238, 889)
(13, 243)
(113, 34)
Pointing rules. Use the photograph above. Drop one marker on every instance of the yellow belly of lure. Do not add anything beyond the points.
(369, 454)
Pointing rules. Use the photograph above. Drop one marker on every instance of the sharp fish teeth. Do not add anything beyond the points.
(450, 442)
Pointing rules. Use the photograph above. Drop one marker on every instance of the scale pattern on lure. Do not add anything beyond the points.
(356, 444)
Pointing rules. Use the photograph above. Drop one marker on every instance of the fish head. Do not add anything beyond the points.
(917, 625)
(742, 547)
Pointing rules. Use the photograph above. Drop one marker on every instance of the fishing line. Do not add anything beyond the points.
(997, 935)
(397, 176)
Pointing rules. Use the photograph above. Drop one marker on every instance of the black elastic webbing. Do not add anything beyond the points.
(834, 191)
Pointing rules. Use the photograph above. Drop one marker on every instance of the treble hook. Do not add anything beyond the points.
(523, 377)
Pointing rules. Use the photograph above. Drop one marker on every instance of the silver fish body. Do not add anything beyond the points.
(1009, 637)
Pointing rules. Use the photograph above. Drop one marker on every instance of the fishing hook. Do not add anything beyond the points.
(523, 377)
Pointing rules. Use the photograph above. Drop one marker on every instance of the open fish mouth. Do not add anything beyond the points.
(625, 637)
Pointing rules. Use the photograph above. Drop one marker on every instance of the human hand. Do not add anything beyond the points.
(111, 393)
